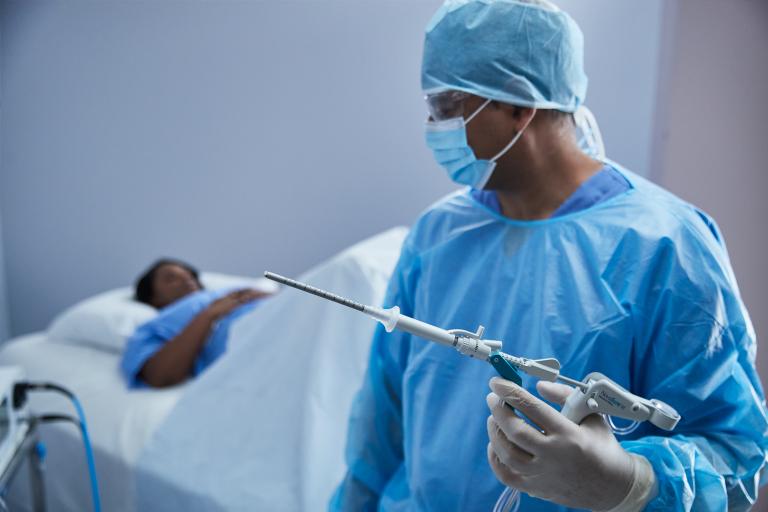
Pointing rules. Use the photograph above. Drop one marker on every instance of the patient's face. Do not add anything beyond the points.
(171, 283)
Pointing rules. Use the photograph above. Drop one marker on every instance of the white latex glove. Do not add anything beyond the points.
(579, 466)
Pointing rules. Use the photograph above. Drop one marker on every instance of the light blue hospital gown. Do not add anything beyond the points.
(151, 336)
(638, 287)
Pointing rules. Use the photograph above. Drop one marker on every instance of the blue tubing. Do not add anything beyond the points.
(88, 456)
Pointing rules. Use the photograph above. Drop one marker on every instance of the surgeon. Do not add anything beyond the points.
(559, 254)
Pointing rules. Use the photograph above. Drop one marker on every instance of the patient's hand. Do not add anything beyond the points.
(231, 301)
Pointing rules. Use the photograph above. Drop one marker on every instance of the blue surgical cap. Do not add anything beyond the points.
(514, 52)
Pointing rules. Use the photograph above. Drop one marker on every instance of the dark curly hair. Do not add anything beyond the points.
(145, 292)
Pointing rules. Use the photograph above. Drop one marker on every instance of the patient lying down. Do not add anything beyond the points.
(190, 331)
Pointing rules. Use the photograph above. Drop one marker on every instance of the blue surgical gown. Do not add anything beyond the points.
(151, 336)
(638, 287)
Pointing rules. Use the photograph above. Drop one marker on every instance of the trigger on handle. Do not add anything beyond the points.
(505, 369)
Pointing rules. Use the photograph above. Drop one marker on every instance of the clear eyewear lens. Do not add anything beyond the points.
(446, 105)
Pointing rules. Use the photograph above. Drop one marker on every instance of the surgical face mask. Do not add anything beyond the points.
(447, 139)
(588, 134)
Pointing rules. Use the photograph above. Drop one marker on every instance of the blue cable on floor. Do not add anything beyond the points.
(88, 455)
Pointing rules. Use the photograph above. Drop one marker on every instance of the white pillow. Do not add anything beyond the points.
(105, 321)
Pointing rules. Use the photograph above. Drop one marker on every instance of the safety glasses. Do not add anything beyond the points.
(446, 105)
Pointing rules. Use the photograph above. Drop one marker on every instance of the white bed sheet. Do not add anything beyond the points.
(265, 427)
(120, 422)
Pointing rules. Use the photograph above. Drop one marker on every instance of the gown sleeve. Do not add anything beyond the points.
(698, 355)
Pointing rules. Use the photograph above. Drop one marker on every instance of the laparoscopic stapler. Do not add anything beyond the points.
(596, 394)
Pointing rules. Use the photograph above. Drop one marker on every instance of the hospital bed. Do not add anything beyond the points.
(262, 429)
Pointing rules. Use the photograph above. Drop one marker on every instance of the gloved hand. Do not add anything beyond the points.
(579, 466)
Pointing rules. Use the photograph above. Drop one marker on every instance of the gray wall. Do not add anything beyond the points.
(714, 150)
(4, 330)
(242, 136)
